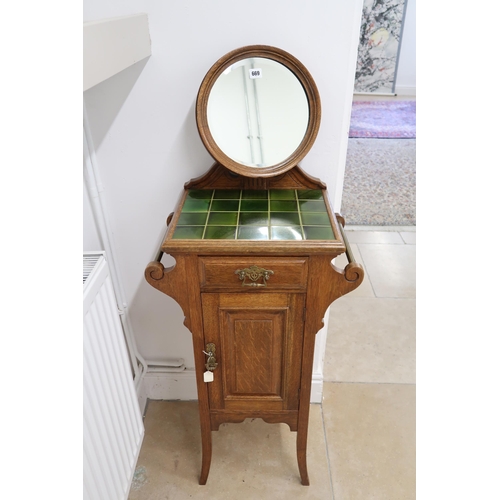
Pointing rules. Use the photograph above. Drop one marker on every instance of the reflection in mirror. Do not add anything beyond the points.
(258, 112)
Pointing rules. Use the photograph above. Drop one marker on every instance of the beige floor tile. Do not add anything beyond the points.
(391, 269)
(391, 229)
(251, 460)
(410, 238)
(382, 237)
(370, 431)
(371, 340)
(363, 290)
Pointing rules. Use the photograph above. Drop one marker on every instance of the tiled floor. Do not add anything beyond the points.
(361, 442)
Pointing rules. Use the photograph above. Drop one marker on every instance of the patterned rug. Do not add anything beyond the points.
(380, 183)
(383, 119)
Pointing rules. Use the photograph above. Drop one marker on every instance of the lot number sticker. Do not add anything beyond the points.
(255, 73)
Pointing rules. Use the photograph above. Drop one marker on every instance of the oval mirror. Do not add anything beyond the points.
(258, 111)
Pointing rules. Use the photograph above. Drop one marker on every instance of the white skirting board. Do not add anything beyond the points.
(404, 90)
(317, 389)
(401, 90)
(182, 386)
(170, 386)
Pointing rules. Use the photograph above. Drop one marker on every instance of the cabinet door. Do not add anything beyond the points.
(258, 339)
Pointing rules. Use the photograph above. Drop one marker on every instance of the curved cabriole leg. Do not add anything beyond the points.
(302, 455)
(180, 283)
(332, 284)
(206, 454)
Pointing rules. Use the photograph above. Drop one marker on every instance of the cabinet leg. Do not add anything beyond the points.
(206, 454)
(302, 455)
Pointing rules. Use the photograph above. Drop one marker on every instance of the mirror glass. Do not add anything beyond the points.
(257, 112)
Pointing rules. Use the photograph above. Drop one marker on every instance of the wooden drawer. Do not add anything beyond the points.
(250, 273)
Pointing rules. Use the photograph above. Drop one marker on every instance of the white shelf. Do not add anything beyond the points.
(111, 45)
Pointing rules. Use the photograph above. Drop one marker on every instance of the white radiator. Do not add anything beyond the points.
(112, 423)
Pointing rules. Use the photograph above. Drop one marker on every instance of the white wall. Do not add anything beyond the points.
(91, 239)
(111, 45)
(406, 78)
(143, 124)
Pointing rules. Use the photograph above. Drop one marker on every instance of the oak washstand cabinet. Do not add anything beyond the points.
(253, 240)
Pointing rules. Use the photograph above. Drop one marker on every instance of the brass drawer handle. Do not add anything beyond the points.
(254, 274)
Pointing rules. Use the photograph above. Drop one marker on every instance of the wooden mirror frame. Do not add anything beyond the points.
(312, 94)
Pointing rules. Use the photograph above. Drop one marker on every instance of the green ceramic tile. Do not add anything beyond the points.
(188, 233)
(254, 205)
(285, 218)
(225, 206)
(223, 219)
(318, 233)
(220, 232)
(284, 206)
(192, 219)
(255, 194)
(196, 205)
(312, 206)
(286, 233)
(254, 218)
(227, 194)
(282, 194)
(200, 194)
(309, 194)
(253, 233)
(315, 219)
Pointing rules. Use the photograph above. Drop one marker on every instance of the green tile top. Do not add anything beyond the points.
(275, 214)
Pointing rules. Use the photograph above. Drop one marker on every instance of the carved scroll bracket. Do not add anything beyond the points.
(171, 281)
(333, 283)
(354, 273)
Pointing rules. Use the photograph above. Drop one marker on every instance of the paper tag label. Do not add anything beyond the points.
(255, 73)
(208, 376)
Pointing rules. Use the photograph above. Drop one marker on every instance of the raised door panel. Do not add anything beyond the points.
(258, 338)
(253, 353)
